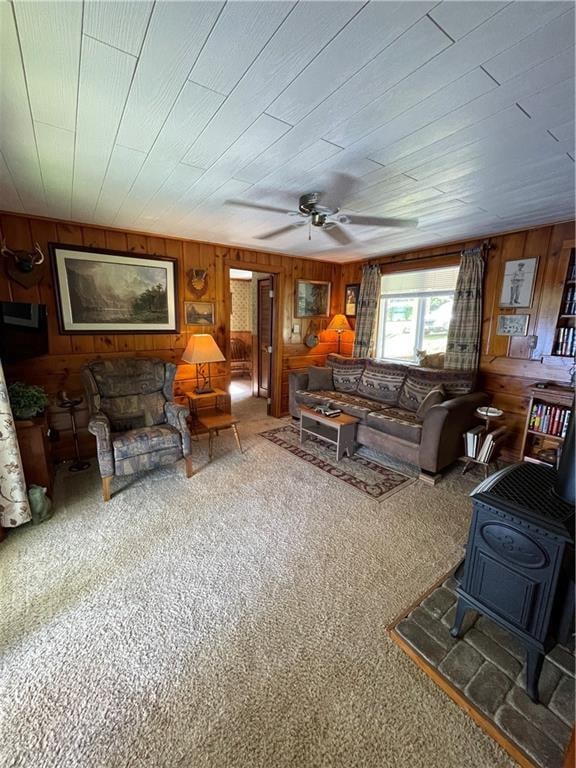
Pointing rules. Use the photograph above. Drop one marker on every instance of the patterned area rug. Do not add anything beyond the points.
(372, 479)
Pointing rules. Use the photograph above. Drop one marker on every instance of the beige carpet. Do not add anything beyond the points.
(233, 619)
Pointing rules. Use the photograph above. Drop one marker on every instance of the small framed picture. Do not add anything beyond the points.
(312, 298)
(512, 325)
(351, 299)
(199, 312)
(518, 283)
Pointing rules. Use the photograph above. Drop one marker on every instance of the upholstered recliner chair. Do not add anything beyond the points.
(136, 424)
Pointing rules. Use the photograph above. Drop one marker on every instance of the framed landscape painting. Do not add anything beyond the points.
(199, 312)
(312, 298)
(112, 292)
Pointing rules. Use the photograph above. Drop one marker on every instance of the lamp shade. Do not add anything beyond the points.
(339, 323)
(202, 348)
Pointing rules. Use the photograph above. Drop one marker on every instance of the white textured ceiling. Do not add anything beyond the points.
(149, 116)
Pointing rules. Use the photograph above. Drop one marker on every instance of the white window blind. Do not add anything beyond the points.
(419, 282)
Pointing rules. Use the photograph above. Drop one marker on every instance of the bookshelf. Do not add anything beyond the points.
(546, 423)
(564, 343)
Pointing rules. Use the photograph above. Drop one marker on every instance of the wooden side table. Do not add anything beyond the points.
(214, 421)
(221, 398)
(337, 430)
(35, 452)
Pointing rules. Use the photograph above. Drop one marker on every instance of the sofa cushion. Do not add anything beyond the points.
(396, 422)
(434, 397)
(146, 440)
(420, 381)
(349, 403)
(346, 371)
(134, 411)
(455, 383)
(382, 381)
(320, 378)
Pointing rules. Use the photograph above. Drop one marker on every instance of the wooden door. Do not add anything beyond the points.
(265, 336)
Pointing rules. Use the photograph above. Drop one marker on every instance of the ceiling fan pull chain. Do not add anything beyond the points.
(310, 229)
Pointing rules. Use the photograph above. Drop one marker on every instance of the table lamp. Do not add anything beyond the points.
(339, 323)
(202, 350)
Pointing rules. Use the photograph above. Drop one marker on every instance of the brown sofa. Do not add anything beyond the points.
(413, 413)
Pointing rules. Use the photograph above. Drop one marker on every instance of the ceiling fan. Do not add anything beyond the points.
(316, 209)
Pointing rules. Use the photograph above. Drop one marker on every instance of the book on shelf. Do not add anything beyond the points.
(565, 342)
(549, 419)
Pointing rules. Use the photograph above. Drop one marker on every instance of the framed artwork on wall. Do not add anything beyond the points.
(351, 299)
(112, 292)
(512, 325)
(518, 283)
(312, 298)
(199, 312)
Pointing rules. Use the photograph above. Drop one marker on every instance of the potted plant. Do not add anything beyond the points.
(27, 400)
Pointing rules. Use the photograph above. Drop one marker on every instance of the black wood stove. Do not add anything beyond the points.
(520, 561)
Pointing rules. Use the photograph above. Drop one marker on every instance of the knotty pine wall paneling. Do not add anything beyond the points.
(507, 367)
(60, 369)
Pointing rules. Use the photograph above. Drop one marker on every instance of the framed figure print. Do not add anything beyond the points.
(351, 299)
(518, 283)
(512, 325)
(113, 292)
(199, 312)
(312, 298)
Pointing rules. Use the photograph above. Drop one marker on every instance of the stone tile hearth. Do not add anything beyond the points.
(486, 665)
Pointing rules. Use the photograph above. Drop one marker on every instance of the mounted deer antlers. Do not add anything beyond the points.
(25, 260)
(20, 264)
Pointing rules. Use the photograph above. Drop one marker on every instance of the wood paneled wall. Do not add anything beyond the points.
(507, 370)
(60, 369)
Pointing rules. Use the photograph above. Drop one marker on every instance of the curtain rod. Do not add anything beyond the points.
(485, 246)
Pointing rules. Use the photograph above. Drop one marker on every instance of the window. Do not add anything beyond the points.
(415, 311)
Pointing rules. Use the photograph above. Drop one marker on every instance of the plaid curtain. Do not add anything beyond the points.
(463, 346)
(366, 311)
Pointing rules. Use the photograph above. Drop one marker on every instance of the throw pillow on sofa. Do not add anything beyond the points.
(320, 379)
(434, 397)
(346, 372)
(382, 381)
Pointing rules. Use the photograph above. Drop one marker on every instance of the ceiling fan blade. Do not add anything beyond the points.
(281, 231)
(340, 189)
(380, 221)
(243, 204)
(338, 234)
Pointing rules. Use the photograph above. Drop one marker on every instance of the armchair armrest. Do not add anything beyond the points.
(296, 380)
(99, 425)
(443, 427)
(176, 416)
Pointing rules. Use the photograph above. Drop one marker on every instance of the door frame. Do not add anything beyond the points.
(276, 272)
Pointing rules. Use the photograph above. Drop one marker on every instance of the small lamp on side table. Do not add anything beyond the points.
(339, 323)
(202, 350)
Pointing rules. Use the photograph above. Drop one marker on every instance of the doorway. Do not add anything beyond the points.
(251, 339)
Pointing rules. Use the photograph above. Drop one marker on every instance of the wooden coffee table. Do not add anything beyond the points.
(337, 430)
